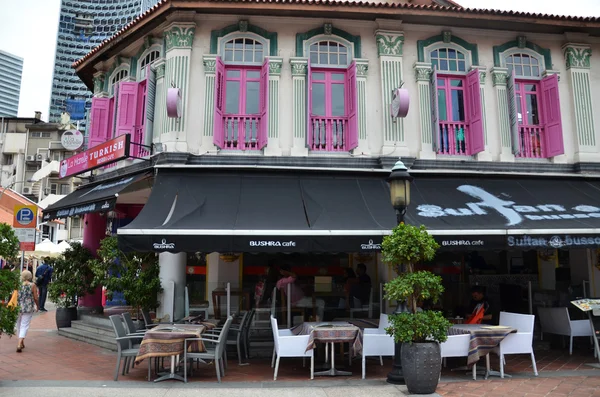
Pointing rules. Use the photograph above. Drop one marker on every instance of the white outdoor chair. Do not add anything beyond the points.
(518, 343)
(289, 345)
(359, 307)
(556, 320)
(377, 343)
(457, 346)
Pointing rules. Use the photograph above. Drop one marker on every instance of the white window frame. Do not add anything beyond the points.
(246, 35)
(142, 68)
(527, 51)
(441, 45)
(54, 186)
(111, 83)
(328, 37)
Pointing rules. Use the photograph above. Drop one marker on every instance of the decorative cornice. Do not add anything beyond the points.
(210, 63)
(159, 67)
(577, 56)
(362, 67)
(423, 71)
(499, 76)
(99, 78)
(389, 43)
(275, 64)
(179, 35)
(299, 66)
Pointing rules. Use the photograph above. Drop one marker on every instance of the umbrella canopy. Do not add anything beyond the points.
(46, 248)
(63, 245)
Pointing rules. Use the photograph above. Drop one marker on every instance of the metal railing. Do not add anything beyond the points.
(452, 138)
(240, 132)
(530, 142)
(328, 133)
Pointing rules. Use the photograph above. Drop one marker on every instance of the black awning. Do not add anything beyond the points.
(190, 211)
(525, 213)
(100, 197)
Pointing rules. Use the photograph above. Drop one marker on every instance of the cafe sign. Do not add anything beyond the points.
(99, 156)
(71, 140)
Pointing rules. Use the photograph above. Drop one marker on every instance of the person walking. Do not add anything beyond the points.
(43, 275)
(28, 304)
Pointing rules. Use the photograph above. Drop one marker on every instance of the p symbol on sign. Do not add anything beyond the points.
(25, 216)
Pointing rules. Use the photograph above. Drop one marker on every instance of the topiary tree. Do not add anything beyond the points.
(405, 247)
(72, 277)
(9, 281)
(136, 275)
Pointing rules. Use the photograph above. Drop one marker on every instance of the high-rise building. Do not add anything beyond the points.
(82, 26)
(11, 70)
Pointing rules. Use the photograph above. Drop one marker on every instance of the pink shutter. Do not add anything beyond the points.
(127, 108)
(309, 127)
(100, 121)
(435, 116)
(475, 138)
(218, 118)
(352, 108)
(263, 131)
(553, 136)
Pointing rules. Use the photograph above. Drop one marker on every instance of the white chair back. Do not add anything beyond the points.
(384, 321)
(456, 346)
(275, 333)
(523, 323)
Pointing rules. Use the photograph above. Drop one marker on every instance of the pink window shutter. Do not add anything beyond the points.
(352, 108)
(218, 117)
(553, 135)
(127, 108)
(513, 113)
(149, 106)
(475, 138)
(309, 127)
(263, 131)
(99, 121)
(435, 116)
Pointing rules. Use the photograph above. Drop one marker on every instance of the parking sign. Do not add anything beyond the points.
(25, 216)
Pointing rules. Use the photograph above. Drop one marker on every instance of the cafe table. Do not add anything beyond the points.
(331, 333)
(168, 341)
(484, 339)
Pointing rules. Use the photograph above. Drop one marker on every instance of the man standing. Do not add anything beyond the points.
(43, 275)
(362, 289)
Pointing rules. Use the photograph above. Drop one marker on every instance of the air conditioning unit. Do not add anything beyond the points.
(30, 158)
(26, 190)
(39, 157)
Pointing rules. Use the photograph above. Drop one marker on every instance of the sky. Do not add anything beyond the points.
(28, 29)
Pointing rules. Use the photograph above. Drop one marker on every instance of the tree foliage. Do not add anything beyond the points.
(405, 247)
(136, 275)
(9, 281)
(72, 277)
(9, 243)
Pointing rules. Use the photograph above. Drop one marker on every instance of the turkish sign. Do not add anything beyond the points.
(24, 216)
(100, 155)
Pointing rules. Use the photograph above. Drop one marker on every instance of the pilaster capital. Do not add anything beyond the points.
(389, 43)
(210, 63)
(482, 73)
(179, 35)
(499, 76)
(423, 71)
(159, 67)
(99, 78)
(275, 65)
(299, 66)
(362, 67)
(550, 72)
(577, 56)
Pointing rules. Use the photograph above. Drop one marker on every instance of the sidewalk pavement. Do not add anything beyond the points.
(63, 366)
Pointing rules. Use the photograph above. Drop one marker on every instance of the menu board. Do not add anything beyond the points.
(587, 304)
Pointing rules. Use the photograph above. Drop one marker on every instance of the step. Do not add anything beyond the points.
(85, 326)
(96, 319)
(93, 338)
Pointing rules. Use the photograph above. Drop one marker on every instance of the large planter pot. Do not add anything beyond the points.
(421, 365)
(64, 316)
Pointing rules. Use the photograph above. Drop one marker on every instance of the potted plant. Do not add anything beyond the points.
(419, 331)
(136, 275)
(72, 278)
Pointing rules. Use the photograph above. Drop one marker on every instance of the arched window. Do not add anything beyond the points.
(148, 59)
(329, 53)
(116, 77)
(243, 50)
(448, 60)
(525, 65)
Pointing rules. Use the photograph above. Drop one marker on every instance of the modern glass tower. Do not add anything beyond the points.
(11, 71)
(83, 25)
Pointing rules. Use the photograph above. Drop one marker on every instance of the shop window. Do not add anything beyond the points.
(65, 189)
(448, 60)
(116, 77)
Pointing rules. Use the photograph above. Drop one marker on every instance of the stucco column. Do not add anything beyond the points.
(179, 38)
(578, 60)
(210, 63)
(362, 69)
(273, 147)
(160, 103)
(94, 230)
(172, 278)
(100, 84)
(499, 78)
(299, 103)
(390, 50)
(423, 72)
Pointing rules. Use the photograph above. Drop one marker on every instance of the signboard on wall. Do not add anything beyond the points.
(24, 223)
(71, 140)
(100, 155)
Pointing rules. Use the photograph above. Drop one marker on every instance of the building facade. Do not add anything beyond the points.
(11, 71)
(82, 26)
(306, 88)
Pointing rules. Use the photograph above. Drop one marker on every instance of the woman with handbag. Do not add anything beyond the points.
(28, 303)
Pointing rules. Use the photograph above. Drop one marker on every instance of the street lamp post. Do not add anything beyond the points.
(399, 181)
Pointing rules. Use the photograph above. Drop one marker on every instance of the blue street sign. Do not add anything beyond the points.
(25, 216)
